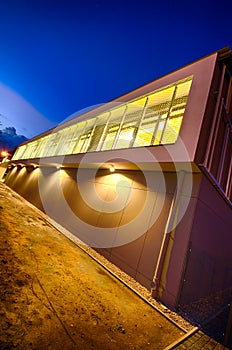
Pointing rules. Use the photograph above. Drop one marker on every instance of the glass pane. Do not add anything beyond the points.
(61, 142)
(87, 136)
(39, 148)
(51, 144)
(55, 143)
(42, 147)
(28, 150)
(126, 137)
(70, 134)
(73, 147)
(99, 132)
(159, 130)
(19, 153)
(25, 153)
(143, 137)
(151, 128)
(130, 124)
(226, 164)
(33, 149)
(172, 130)
(65, 137)
(146, 130)
(80, 144)
(113, 127)
(110, 138)
(179, 103)
(159, 102)
(176, 113)
(82, 137)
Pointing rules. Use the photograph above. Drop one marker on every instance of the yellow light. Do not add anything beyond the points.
(4, 154)
(112, 169)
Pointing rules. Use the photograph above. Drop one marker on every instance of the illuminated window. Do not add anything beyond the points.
(99, 133)
(130, 122)
(51, 144)
(19, 152)
(84, 140)
(75, 137)
(152, 119)
(113, 127)
(41, 145)
(67, 140)
(29, 150)
(176, 113)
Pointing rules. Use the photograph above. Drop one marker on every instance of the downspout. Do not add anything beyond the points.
(166, 246)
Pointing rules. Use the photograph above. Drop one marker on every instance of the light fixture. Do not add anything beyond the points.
(4, 154)
(59, 167)
(112, 168)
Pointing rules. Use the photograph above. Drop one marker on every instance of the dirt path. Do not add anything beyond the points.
(54, 296)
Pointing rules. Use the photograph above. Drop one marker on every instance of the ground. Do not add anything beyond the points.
(55, 296)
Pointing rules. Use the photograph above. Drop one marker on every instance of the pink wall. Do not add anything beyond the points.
(209, 268)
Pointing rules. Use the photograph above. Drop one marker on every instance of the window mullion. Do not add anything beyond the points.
(104, 133)
(120, 128)
(139, 123)
(229, 181)
(223, 154)
(168, 114)
(91, 135)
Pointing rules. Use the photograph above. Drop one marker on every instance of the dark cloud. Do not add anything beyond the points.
(9, 139)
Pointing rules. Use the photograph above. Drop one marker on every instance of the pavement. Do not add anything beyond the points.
(196, 340)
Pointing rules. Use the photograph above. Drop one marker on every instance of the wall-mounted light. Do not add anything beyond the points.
(112, 168)
(4, 154)
(59, 167)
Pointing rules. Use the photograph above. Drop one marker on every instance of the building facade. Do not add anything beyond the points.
(146, 180)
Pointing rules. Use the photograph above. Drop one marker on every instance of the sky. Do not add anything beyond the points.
(58, 57)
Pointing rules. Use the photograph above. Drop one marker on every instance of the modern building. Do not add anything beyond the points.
(146, 180)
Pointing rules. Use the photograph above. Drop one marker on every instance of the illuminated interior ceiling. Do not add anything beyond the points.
(153, 119)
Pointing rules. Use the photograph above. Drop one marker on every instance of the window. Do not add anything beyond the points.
(85, 138)
(99, 133)
(112, 129)
(152, 119)
(129, 126)
(72, 149)
(218, 162)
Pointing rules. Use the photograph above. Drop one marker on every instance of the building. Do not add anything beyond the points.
(146, 180)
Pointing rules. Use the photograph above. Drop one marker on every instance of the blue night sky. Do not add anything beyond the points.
(58, 57)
